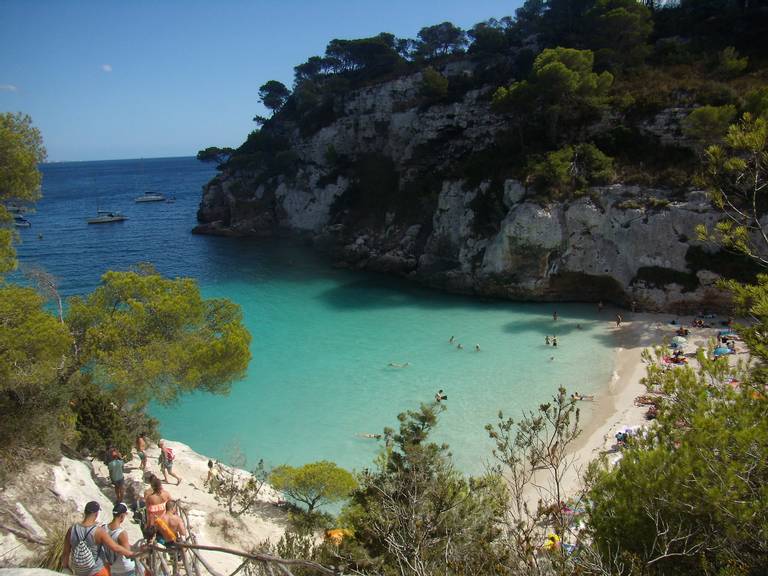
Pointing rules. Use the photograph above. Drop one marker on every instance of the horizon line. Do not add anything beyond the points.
(116, 159)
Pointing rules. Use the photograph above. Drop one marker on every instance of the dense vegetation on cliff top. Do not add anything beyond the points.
(572, 81)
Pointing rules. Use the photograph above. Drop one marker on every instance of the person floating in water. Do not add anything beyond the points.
(373, 436)
(396, 365)
(618, 320)
(477, 347)
(578, 327)
(450, 340)
(546, 340)
(460, 346)
(554, 341)
(439, 396)
(554, 315)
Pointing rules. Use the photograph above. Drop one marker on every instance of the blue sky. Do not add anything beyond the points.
(125, 79)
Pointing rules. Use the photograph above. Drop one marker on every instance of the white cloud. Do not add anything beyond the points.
(8, 88)
(106, 67)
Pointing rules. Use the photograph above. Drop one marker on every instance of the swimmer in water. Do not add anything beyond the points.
(554, 315)
(374, 436)
(450, 341)
(396, 365)
(460, 346)
(551, 358)
(554, 341)
(578, 326)
(546, 339)
(439, 396)
(477, 347)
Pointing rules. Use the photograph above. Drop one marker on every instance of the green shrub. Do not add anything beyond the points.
(33, 398)
(729, 64)
(709, 124)
(570, 171)
(101, 423)
(756, 102)
(433, 84)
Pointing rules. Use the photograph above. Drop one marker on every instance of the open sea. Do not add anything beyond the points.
(322, 337)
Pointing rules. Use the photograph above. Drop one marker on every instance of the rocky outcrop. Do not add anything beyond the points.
(38, 505)
(487, 237)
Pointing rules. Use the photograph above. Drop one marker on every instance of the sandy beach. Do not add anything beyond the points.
(613, 409)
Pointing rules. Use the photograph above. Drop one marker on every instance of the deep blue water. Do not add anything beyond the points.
(322, 338)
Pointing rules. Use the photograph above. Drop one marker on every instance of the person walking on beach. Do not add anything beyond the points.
(116, 475)
(141, 451)
(83, 543)
(119, 565)
(165, 460)
(546, 339)
(618, 320)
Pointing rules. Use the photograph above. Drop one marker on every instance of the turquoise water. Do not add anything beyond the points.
(322, 337)
(322, 342)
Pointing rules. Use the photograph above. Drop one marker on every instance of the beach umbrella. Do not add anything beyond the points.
(722, 351)
(679, 340)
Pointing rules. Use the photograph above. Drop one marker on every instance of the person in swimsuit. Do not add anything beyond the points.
(156, 500)
(171, 517)
(141, 450)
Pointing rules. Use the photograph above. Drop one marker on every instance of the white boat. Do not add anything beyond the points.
(150, 197)
(105, 217)
(21, 222)
(16, 209)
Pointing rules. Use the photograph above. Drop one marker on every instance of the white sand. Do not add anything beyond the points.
(614, 409)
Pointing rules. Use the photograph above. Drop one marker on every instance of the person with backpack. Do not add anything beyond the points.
(84, 545)
(119, 565)
(115, 467)
(165, 460)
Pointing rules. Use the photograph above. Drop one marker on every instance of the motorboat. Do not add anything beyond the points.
(20, 222)
(150, 197)
(106, 217)
(16, 208)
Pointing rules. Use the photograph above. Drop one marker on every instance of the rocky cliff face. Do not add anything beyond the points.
(488, 237)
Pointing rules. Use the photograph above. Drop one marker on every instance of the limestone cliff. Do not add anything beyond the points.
(382, 185)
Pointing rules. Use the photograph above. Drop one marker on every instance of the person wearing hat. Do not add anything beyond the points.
(96, 539)
(119, 565)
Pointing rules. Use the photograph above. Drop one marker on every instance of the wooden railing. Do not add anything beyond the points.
(185, 558)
